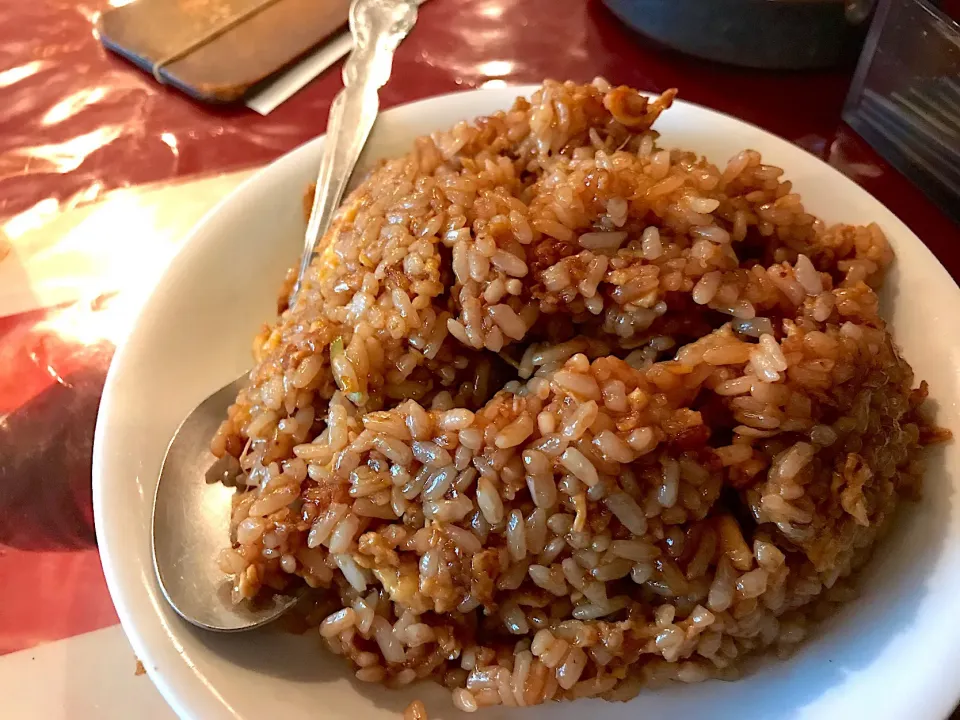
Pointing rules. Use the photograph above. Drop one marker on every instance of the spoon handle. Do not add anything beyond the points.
(377, 27)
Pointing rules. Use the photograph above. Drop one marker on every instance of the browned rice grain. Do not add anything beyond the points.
(559, 413)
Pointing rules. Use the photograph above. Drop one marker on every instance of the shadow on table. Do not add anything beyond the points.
(46, 447)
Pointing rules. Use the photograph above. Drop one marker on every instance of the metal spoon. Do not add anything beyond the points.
(191, 518)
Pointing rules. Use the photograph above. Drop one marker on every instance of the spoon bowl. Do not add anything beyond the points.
(189, 522)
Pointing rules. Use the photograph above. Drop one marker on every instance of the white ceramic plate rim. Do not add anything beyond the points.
(159, 639)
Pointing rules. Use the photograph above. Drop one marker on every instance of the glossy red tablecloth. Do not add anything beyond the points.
(76, 123)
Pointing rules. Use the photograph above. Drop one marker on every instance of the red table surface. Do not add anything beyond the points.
(76, 122)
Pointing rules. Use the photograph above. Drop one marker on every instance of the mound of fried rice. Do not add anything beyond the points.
(559, 413)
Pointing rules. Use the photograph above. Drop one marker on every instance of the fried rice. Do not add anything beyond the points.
(559, 413)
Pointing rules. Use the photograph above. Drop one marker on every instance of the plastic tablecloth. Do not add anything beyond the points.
(102, 171)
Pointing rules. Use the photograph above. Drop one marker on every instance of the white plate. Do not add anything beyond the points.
(892, 654)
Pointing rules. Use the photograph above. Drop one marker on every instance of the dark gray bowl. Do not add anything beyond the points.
(780, 34)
